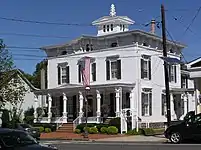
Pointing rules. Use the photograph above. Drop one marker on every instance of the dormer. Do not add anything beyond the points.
(112, 24)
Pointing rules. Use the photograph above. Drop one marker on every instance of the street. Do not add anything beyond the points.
(125, 146)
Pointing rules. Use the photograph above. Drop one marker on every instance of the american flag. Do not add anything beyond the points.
(85, 71)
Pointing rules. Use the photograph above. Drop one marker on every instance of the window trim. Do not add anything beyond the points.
(60, 67)
(147, 91)
(163, 106)
(146, 58)
(172, 70)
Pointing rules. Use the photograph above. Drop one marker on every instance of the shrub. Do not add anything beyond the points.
(82, 126)
(5, 119)
(148, 131)
(134, 132)
(77, 131)
(112, 130)
(29, 119)
(99, 126)
(86, 129)
(104, 130)
(115, 122)
(41, 129)
(93, 130)
(52, 126)
(48, 130)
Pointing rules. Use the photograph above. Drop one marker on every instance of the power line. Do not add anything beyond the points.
(52, 23)
(34, 35)
(192, 20)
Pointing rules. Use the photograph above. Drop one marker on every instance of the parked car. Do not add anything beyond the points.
(188, 129)
(20, 140)
(35, 132)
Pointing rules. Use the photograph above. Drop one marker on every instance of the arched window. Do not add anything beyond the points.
(103, 28)
(112, 27)
(108, 28)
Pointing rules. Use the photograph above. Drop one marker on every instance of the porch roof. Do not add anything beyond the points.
(68, 88)
(180, 90)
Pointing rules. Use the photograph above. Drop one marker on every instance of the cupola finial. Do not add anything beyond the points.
(112, 11)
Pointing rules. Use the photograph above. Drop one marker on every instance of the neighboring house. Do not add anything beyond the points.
(195, 74)
(28, 98)
(127, 73)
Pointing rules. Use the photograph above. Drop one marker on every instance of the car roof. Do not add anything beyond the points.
(7, 130)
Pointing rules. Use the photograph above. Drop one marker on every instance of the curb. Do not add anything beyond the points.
(160, 142)
(63, 139)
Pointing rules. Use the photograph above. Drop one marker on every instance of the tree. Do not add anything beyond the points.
(12, 89)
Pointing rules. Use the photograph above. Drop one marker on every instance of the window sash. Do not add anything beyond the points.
(113, 69)
(63, 75)
(146, 101)
(145, 66)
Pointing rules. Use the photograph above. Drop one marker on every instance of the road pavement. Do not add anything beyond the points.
(64, 145)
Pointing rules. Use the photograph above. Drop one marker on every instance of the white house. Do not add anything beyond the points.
(127, 73)
(28, 97)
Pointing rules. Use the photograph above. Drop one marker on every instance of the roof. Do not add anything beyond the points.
(119, 34)
(194, 61)
(17, 71)
(110, 19)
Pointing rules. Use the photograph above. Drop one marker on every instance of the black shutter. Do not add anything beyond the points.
(59, 75)
(175, 74)
(150, 104)
(108, 70)
(142, 104)
(149, 69)
(186, 81)
(162, 105)
(94, 71)
(169, 72)
(79, 73)
(67, 74)
(142, 68)
(118, 69)
(101, 99)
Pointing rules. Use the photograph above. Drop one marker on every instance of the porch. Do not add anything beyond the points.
(66, 103)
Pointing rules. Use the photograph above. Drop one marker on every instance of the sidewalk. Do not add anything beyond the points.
(136, 138)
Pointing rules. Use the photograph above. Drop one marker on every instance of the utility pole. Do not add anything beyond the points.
(166, 67)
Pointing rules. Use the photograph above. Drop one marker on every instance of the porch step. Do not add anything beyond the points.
(66, 127)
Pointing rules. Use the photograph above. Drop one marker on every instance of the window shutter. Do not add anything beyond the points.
(142, 69)
(149, 69)
(175, 74)
(79, 73)
(169, 72)
(67, 74)
(162, 104)
(59, 75)
(108, 70)
(118, 69)
(150, 104)
(186, 81)
(94, 71)
(142, 104)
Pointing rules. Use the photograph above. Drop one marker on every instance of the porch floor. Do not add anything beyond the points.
(73, 136)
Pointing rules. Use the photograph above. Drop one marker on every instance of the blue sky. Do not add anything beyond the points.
(84, 12)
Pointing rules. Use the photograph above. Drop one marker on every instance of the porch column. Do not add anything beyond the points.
(117, 91)
(133, 109)
(49, 108)
(98, 98)
(185, 103)
(35, 108)
(81, 98)
(64, 108)
(172, 106)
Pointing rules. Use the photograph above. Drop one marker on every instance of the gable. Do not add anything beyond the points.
(195, 63)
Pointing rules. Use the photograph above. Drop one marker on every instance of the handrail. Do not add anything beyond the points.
(76, 122)
(59, 122)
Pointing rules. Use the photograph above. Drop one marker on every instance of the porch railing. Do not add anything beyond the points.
(59, 122)
(76, 122)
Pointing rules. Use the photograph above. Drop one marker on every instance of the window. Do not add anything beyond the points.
(146, 67)
(123, 27)
(108, 28)
(184, 82)
(63, 74)
(93, 71)
(172, 73)
(113, 69)
(163, 104)
(111, 27)
(104, 28)
(64, 53)
(146, 102)
(120, 26)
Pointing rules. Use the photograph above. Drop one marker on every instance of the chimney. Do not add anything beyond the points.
(153, 23)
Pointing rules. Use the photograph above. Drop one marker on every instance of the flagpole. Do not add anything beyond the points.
(86, 111)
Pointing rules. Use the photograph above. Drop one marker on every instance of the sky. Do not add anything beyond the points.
(180, 15)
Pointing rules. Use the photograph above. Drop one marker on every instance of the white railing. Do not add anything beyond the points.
(59, 122)
(76, 122)
(42, 120)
